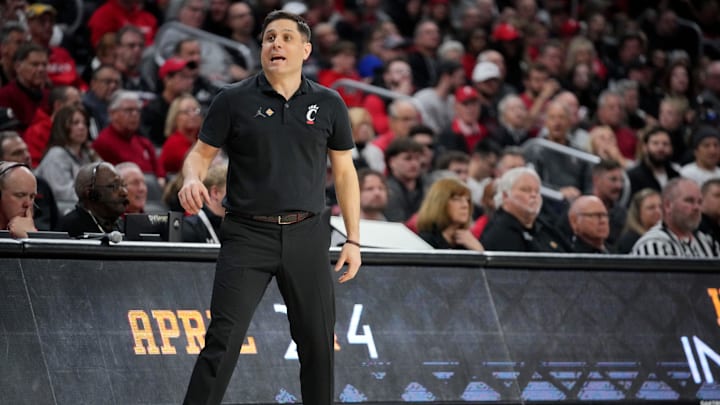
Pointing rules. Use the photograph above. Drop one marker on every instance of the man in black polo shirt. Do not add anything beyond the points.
(278, 129)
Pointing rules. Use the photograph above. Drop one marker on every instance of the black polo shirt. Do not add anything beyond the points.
(277, 148)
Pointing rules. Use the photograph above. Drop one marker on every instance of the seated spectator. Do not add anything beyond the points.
(397, 77)
(671, 119)
(362, 133)
(637, 118)
(181, 129)
(710, 223)
(241, 22)
(217, 64)
(425, 136)
(539, 89)
(706, 148)
(102, 200)
(105, 55)
(513, 122)
(177, 80)
(645, 211)
(14, 149)
(590, 226)
(454, 162)
(608, 180)
(405, 184)
(678, 234)
(137, 190)
(204, 227)
(403, 116)
(579, 137)
(68, 150)
(130, 45)
(105, 81)
(515, 226)
(28, 93)
(373, 194)
(611, 112)
(12, 35)
(115, 14)
(654, 169)
(343, 56)
(435, 103)
(17, 193)
(61, 67)
(203, 89)
(37, 135)
(604, 144)
(464, 130)
(481, 169)
(486, 79)
(560, 171)
(121, 142)
(445, 216)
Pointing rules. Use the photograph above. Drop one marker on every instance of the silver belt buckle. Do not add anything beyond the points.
(281, 222)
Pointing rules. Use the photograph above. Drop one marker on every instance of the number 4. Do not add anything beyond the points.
(366, 338)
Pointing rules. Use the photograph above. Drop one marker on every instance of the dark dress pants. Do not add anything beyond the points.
(252, 253)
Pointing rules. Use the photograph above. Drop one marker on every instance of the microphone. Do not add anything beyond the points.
(104, 238)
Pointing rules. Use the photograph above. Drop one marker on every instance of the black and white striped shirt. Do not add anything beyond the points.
(660, 241)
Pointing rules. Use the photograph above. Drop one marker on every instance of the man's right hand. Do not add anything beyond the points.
(192, 195)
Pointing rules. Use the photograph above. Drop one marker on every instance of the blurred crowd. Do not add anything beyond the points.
(513, 125)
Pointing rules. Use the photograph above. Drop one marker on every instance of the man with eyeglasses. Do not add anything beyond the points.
(105, 81)
(29, 92)
(589, 222)
(177, 79)
(102, 200)
(121, 141)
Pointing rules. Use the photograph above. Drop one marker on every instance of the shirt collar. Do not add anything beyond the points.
(264, 85)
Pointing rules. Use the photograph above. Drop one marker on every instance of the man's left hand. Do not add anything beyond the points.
(350, 255)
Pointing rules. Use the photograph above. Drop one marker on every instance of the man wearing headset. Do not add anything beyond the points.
(17, 194)
(102, 199)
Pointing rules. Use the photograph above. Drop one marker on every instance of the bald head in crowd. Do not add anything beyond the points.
(589, 221)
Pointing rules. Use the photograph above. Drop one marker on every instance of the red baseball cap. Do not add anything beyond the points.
(466, 93)
(505, 32)
(174, 65)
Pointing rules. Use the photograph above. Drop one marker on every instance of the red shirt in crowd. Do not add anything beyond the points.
(37, 136)
(115, 148)
(627, 142)
(173, 152)
(111, 16)
(62, 70)
(351, 97)
(24, 102)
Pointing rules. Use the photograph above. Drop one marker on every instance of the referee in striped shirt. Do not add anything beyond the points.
(677, 234)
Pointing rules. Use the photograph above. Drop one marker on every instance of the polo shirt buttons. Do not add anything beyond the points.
(287, 105)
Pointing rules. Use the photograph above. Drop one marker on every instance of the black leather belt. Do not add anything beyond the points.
(281, 219)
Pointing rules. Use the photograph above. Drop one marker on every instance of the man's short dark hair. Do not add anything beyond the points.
(449, 157)
(487, 147)
(8, 28)
(420, 129)
(401, 145)
(654, 131)
(367, 172)
(100, 68)
(605, 166)
(26, 49)
(302, 25)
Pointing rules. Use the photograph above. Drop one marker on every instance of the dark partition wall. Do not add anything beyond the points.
(82, 331)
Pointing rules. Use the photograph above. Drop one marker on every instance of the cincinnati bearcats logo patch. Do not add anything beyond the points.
(311, 113)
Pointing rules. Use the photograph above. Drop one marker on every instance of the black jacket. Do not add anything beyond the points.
(505, 233)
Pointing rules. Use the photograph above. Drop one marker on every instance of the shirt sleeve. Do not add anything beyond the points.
(341, 137)
(217, 123)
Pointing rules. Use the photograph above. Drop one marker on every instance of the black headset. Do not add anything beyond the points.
(9, 167)
(94, 195)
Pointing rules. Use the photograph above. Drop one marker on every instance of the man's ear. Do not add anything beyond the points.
(307, 49)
